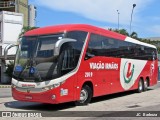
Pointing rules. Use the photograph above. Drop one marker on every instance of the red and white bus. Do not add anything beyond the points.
(76, 62)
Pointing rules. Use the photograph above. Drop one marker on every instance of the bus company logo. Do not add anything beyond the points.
(128, 72)
(104, 66)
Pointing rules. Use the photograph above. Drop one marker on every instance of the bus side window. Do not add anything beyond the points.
(154, 55)
(94, 46)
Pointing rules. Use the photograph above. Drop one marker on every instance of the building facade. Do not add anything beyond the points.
(11, 24)
(14, 14)
(18, 6)
(32, 11)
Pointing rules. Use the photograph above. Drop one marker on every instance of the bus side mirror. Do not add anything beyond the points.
(6, 50)
(59, 43)
(88, 56)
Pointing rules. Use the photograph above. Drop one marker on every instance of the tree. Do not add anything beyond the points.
(121, 31)
(25, 29)
(134, 35)
(9, 69)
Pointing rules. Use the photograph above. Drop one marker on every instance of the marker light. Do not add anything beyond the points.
(53, 97)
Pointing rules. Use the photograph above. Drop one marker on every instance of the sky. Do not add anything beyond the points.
(102, 13)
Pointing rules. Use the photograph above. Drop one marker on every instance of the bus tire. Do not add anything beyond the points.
(85, 96)
(140, 86)
(145, 85)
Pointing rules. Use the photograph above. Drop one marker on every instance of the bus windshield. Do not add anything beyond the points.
(35, 59)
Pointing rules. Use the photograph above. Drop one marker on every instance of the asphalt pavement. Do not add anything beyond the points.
(109, 105)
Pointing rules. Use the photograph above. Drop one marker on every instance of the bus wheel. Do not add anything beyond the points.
(85, 96)
(140, 86)
(145, 85)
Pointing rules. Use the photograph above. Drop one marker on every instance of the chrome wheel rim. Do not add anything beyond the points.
(146, 84)
(83, 95)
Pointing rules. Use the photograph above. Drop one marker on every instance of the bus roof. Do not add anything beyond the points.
(82, 27)
(70, 27)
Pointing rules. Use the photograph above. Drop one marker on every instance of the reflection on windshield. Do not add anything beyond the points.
(35, 60)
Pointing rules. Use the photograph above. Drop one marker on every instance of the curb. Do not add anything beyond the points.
(5, 86)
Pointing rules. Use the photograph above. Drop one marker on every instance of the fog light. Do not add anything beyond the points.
(53, 97)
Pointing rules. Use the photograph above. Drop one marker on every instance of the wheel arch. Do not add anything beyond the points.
(90, 84)
(148, 80)
(87, 85)
(141, 78)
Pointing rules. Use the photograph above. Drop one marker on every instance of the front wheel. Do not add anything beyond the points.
(85, 96)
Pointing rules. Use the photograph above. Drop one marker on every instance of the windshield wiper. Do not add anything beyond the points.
(23, 69)
(34, 66)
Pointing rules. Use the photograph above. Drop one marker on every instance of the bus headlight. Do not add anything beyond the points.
(52, 86)
(56, 85)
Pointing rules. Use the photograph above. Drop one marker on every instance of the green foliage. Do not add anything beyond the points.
(25, 29)
(134, 35)
(124, 32)
(121, 31)
(9, 69)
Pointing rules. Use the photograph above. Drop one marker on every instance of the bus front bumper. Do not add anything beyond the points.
(50, 96)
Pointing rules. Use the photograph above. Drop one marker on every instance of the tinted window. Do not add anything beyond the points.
(46, 45)
(71, 51)
(104, 46)
(80, 36)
